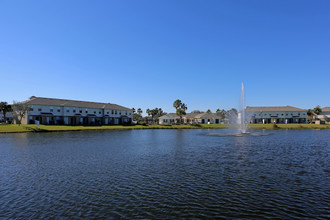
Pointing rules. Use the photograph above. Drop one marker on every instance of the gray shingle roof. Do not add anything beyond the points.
(326, 109)
(73, 103)
(274, 109)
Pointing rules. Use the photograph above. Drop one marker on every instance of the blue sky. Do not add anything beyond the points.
(149, 53)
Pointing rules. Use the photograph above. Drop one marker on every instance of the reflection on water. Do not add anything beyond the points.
(165, 174)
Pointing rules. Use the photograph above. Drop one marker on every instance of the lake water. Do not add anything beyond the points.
(165, 174)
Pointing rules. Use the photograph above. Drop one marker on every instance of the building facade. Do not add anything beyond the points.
(324, 116)
(280, 114)
(191, 118)
(50, 111)
(9, 117)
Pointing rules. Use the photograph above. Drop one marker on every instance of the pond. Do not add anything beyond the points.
(165, 174)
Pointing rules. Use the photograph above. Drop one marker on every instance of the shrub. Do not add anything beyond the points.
(142, 123)
(275, 126)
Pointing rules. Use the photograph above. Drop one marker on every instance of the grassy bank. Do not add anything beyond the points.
(49, 128)
(288, 126)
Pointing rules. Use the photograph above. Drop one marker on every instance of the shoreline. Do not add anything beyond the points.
(10, 128)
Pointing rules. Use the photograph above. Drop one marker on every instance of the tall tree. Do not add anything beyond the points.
(133, 110)
(154, 113)
(310, 115)
(209, 111)
(19, 110)
(5, 108)
(180, 107)
(139, 111)
(177, 103)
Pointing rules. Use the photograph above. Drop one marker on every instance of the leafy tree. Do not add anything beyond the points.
(156, 113)
(19, 110)
(133, 110)
(208, 111)
(5, 108)
(139, 111)
(137, 117)
(317, 110)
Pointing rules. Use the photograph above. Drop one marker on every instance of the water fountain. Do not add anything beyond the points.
(242, 119)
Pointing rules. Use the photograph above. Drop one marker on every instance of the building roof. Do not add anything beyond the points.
(73, 103)
(274, 109)
(326, 109)
(208, 115)
(193, 115)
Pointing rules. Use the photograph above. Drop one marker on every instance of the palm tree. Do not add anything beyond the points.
(208, 111)
(177, 103)
(133, 110)
(310, 115)
(139, 111)
(4, 108)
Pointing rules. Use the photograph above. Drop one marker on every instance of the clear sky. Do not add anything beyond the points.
(149, 53)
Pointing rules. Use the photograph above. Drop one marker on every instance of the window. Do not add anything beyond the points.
(115, 112)
(39, 109)
(99, 112)
(51, 110)
(80, 111)
(74, 110)
(58, 110)
(107, 112)
(86, 111)
(120, 112)
(94, 112)
(68, 110)
(112, 112)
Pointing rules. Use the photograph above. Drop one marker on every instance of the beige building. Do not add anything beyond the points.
(50, 111)
(191, 118)
(279, 114)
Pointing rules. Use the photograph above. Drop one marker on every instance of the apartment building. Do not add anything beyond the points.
(51, 111)
(279, 114)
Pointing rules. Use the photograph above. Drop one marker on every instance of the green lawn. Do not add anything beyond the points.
(289, 126)
(45, 128)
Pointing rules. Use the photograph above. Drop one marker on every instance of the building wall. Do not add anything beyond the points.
(64, 115)
(278, 117)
